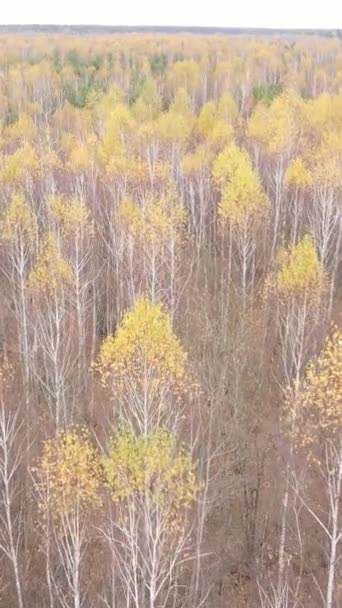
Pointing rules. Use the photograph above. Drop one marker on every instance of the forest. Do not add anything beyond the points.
(170, 320)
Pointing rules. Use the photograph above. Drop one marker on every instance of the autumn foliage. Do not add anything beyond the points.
(170, 311)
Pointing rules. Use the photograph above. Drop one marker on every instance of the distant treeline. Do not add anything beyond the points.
(157, 29)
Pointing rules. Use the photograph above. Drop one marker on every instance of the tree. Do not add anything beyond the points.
(315, 416)
(75, 231)
(213, 126)
(152, 484)
(153, 232)
(67, 480)
(145, 368)
(297, 286)
(325, 213)
(116, 129)
(10, 490)
(54, 360)
(22, 130)
(277, 127)
(196, 170)
(18, 234)
(20, 167)
(243, 204)
(185, 74)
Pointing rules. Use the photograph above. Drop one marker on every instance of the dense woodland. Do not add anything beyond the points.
(170, 321)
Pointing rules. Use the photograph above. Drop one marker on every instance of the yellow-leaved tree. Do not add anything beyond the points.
(275, 129)
(152, 484)
(326, 209)
(300, 271)
(52, 271)
(145, 368)
(116, 129)
(276, 126)
(83, 163)
(67, 482)
(296, 288)
(151, 466)
(22, 130)
(212, 126)
(72, 216)
(156, 222)
(243, 204)
(186, 75)
(293, 295)
(315, 420)
(18, 221)
(242, 194)
(318, 408)
(298, 174)
(20, 167)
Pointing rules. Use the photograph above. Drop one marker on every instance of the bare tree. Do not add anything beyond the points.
(10, 489)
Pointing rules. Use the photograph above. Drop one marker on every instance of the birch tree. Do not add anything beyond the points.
(316, 412)
(152, 483)
(66, 480)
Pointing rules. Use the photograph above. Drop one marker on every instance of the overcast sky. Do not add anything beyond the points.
(233, 13)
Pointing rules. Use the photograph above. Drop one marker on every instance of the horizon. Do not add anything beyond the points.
(171, 26)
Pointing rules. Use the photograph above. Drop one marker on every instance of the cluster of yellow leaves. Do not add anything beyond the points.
(197, 161)
(156, 221)
(19, 165)
(82, 155)
(68, 118)
(69, 471)
(52, 271)
(323, 115)
(6, 376)
(113, 96)
(327, 163)
(49, 160)
(119, 125)
(300, 270)
(182, 106)
(227, 109)
(242, 194)
(154, 467)
(132, 170)
(18, 218)
(171, 126)
(212, 124)
(22, 129)
(298, 174)
(148, 105)
(144, 341)
(185, 74)
(277, 126)
(317, 408)
(321, 144)
(72, 215)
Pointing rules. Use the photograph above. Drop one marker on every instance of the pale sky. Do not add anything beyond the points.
(233, 13)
